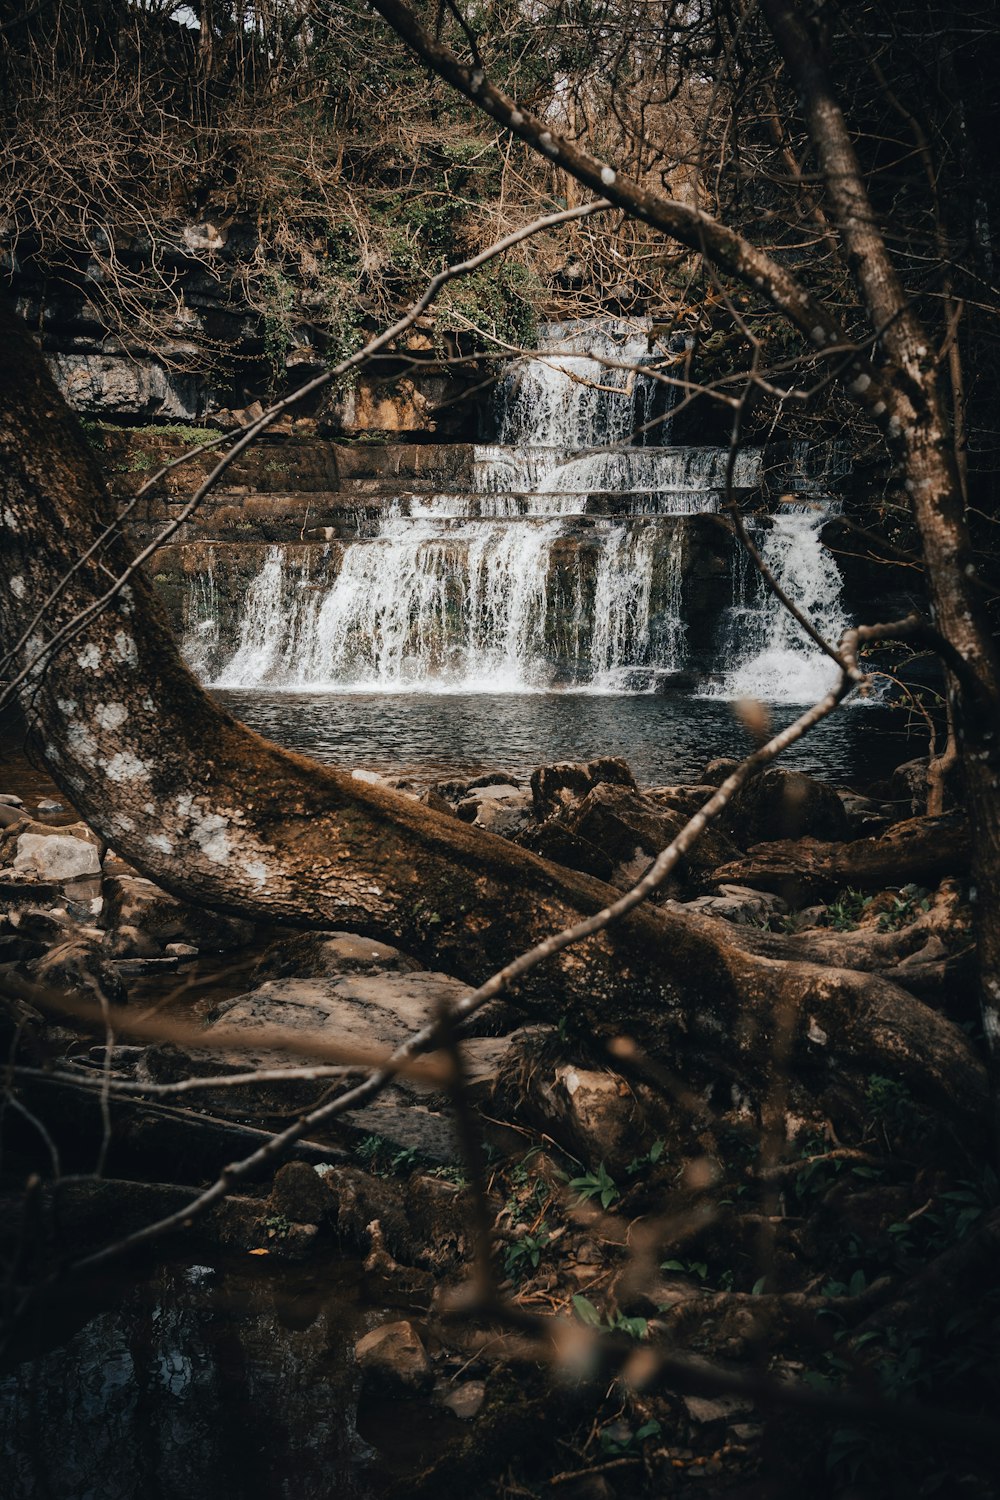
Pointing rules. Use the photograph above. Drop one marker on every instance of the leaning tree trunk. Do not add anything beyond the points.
(216, 814)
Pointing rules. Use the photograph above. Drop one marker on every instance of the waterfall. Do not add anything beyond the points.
(769, 655)
(561, 562)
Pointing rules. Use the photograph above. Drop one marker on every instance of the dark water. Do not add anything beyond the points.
(232, 1380)
(664, 739)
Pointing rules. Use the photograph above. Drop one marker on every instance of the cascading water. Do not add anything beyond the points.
(561, 565)
(769, 655)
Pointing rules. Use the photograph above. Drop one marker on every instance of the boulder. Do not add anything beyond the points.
(778, 804)
(301, 1195)
(560, 787)
(57, 856)
(393, 1360)
(631, 830)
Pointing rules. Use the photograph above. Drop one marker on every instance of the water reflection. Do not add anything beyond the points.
(664, 739)
(229, 1382)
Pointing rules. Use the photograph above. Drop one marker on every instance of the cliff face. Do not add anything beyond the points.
(200, 350)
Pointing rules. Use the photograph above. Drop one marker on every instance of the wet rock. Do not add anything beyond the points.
(632, 831)
(500, 809)
(49, 805)
(10, 816)
(10, 799)
(718, 770)
(130, 942)
(79, 967)
(56, 856)
(779, 804)
(562, 786)
(393, 1360)
(433, 799)
(133, 901)
(866, 818)
(181, 950)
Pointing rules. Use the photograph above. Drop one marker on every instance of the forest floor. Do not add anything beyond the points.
(617, 1274)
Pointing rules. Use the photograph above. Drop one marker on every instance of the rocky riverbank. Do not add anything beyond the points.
(823, 1220)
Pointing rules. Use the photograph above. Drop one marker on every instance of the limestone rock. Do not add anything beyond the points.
(393, 1360)
(740, 904)
(57, 856)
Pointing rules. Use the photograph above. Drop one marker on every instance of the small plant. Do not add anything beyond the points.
(642, 1163)
(379, 1157)
(696, 1268)
(844, 913)
(617, 1442)
(633, 1328)
(599, 1184)
(277, 1226)
(525, 1253)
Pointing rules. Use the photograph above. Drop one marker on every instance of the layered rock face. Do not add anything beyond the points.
(579, 548)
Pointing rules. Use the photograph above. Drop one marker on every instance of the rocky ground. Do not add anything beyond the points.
(684, 1282)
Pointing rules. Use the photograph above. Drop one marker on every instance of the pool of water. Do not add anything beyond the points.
(229, 1380)
(664, 739)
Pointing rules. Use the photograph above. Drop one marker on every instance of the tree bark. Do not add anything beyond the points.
(214, 813)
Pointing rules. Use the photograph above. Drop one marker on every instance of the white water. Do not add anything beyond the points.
(563, 567)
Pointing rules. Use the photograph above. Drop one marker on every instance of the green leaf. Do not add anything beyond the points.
(586, 1311)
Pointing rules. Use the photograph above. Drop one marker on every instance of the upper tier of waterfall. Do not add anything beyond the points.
(561, 561)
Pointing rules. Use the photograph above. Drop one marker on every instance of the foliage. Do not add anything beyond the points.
(598, 1184)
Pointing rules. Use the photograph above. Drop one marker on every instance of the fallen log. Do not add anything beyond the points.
(920, 851)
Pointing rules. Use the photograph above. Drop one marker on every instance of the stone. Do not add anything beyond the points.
(10, 799)
(56, 856)
(632, 831)
(49, 805)
(393, 1360)
(80, 967)
(739, 904)
(133, 901)
(500, 809)
(10, 815)
(433, 799)
(562, 786)
(301, 1195)
(131, 942)
(718, 770)
(778, 804)
(466, 1400)
(181, 950)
